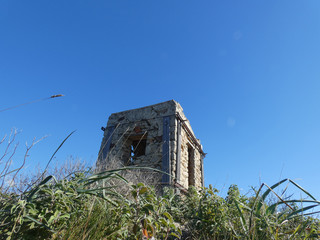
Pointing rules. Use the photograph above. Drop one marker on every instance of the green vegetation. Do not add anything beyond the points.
(86, 205)
(77, 207)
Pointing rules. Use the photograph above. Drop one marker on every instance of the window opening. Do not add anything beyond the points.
(191, 180)
(137, 149)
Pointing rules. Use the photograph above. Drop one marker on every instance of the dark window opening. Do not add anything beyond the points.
(137, 149)
(191, 180)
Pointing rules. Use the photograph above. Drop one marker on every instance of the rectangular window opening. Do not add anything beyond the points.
(191, 165)
(137, 146)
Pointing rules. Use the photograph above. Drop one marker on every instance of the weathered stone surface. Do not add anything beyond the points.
(136, 137)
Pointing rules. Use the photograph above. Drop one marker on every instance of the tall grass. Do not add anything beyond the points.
(208, 216)
(108, 205)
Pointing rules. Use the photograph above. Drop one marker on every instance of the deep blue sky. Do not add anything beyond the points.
(245, 72)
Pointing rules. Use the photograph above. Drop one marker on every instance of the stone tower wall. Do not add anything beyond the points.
(145, 127)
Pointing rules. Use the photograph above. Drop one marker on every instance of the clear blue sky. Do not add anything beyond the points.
(245, 72)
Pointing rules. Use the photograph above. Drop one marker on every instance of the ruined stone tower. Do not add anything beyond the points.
(157, 136)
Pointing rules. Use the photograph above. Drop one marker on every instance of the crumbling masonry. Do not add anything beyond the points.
(157, 136)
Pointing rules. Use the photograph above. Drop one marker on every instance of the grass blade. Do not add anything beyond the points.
(302, 189)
